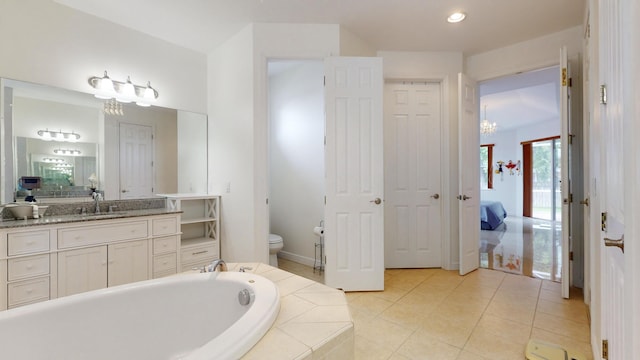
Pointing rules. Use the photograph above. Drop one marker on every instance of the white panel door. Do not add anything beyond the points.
(136, 161)
(413, 205)
(469, 173)
(354, 212)
(565, 184)
(613, 312)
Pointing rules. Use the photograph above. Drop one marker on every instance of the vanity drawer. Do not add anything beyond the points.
(27, 242)
(165, 244)
(99, 234)
(27, 267)
(165, 226)
(162, 263)
(200, 252)
(28, 291)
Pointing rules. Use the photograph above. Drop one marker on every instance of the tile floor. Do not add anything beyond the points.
(437, 314)
(524, 246)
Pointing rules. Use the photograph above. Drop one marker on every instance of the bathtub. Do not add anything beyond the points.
(191, 317)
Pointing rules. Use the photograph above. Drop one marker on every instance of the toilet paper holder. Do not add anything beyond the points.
(318, 261)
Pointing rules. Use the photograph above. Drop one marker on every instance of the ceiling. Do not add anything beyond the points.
(522, 100)
(400, 25)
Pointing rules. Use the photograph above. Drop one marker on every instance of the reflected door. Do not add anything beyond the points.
(136, 161)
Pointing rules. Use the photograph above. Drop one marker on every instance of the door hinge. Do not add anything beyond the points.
(267, 201)
(570, 255)
(571, 136)
(570, 198)
(605, 349)
(324, 81)
(151, 136)
(564, 76)
(603, 94)
(603, 221)
(570, 82)
(325, 200)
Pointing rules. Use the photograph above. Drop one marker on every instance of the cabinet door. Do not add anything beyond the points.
(82, 270)
(128, 262)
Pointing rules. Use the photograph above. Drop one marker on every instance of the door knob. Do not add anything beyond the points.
(615, 242)
(585, 202)
(465, 197)
(436, 196)
(376, 201)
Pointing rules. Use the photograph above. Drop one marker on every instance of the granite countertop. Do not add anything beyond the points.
(60, 219)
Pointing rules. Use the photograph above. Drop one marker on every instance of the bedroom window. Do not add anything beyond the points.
(486, 166)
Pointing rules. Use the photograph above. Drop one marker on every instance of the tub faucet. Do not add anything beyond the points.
(215, 264)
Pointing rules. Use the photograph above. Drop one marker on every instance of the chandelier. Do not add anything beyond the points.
(487, 128)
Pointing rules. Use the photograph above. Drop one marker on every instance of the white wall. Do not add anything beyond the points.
(353, 45)
(192, 152)
(231, 140)
(48, 43)
(296, 157)
(443, 67)
(528, 55)
(237, 78)
(506, 188)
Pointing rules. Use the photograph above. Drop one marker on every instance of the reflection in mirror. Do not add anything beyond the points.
(106, 149)
(59, 174)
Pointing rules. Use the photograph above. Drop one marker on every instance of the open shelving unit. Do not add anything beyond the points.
(199, 227)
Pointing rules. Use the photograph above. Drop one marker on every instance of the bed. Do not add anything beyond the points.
(492, 214)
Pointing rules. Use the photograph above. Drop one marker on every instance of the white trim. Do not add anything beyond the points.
(296, 258)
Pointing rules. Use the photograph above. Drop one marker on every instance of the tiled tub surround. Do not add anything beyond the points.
(314, 320)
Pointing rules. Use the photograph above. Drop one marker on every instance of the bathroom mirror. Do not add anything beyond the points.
(73, 142)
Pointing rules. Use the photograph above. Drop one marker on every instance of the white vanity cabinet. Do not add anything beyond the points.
(82, 270)
(43, 262)
(199, 227)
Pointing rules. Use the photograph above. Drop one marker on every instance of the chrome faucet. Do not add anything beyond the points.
(215, 264)
(97, 197)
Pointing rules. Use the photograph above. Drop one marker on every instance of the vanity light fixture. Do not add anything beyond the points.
(123, 91)
(72, 152)
(58, 135)
(53, 160)
(456, 17)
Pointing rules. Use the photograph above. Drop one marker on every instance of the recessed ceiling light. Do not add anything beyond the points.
(456, 17)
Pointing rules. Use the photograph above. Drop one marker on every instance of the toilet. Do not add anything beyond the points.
(275, 245)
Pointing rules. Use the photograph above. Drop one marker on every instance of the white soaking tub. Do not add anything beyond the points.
(193, 316)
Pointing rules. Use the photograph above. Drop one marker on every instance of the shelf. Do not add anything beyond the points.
(188, 196)
(197, 220)
(187, 243)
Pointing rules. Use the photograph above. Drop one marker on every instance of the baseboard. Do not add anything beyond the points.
(296, 258)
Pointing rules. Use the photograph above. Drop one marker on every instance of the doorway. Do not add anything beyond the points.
(296, 156)
(542, 192)
(523, 174)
